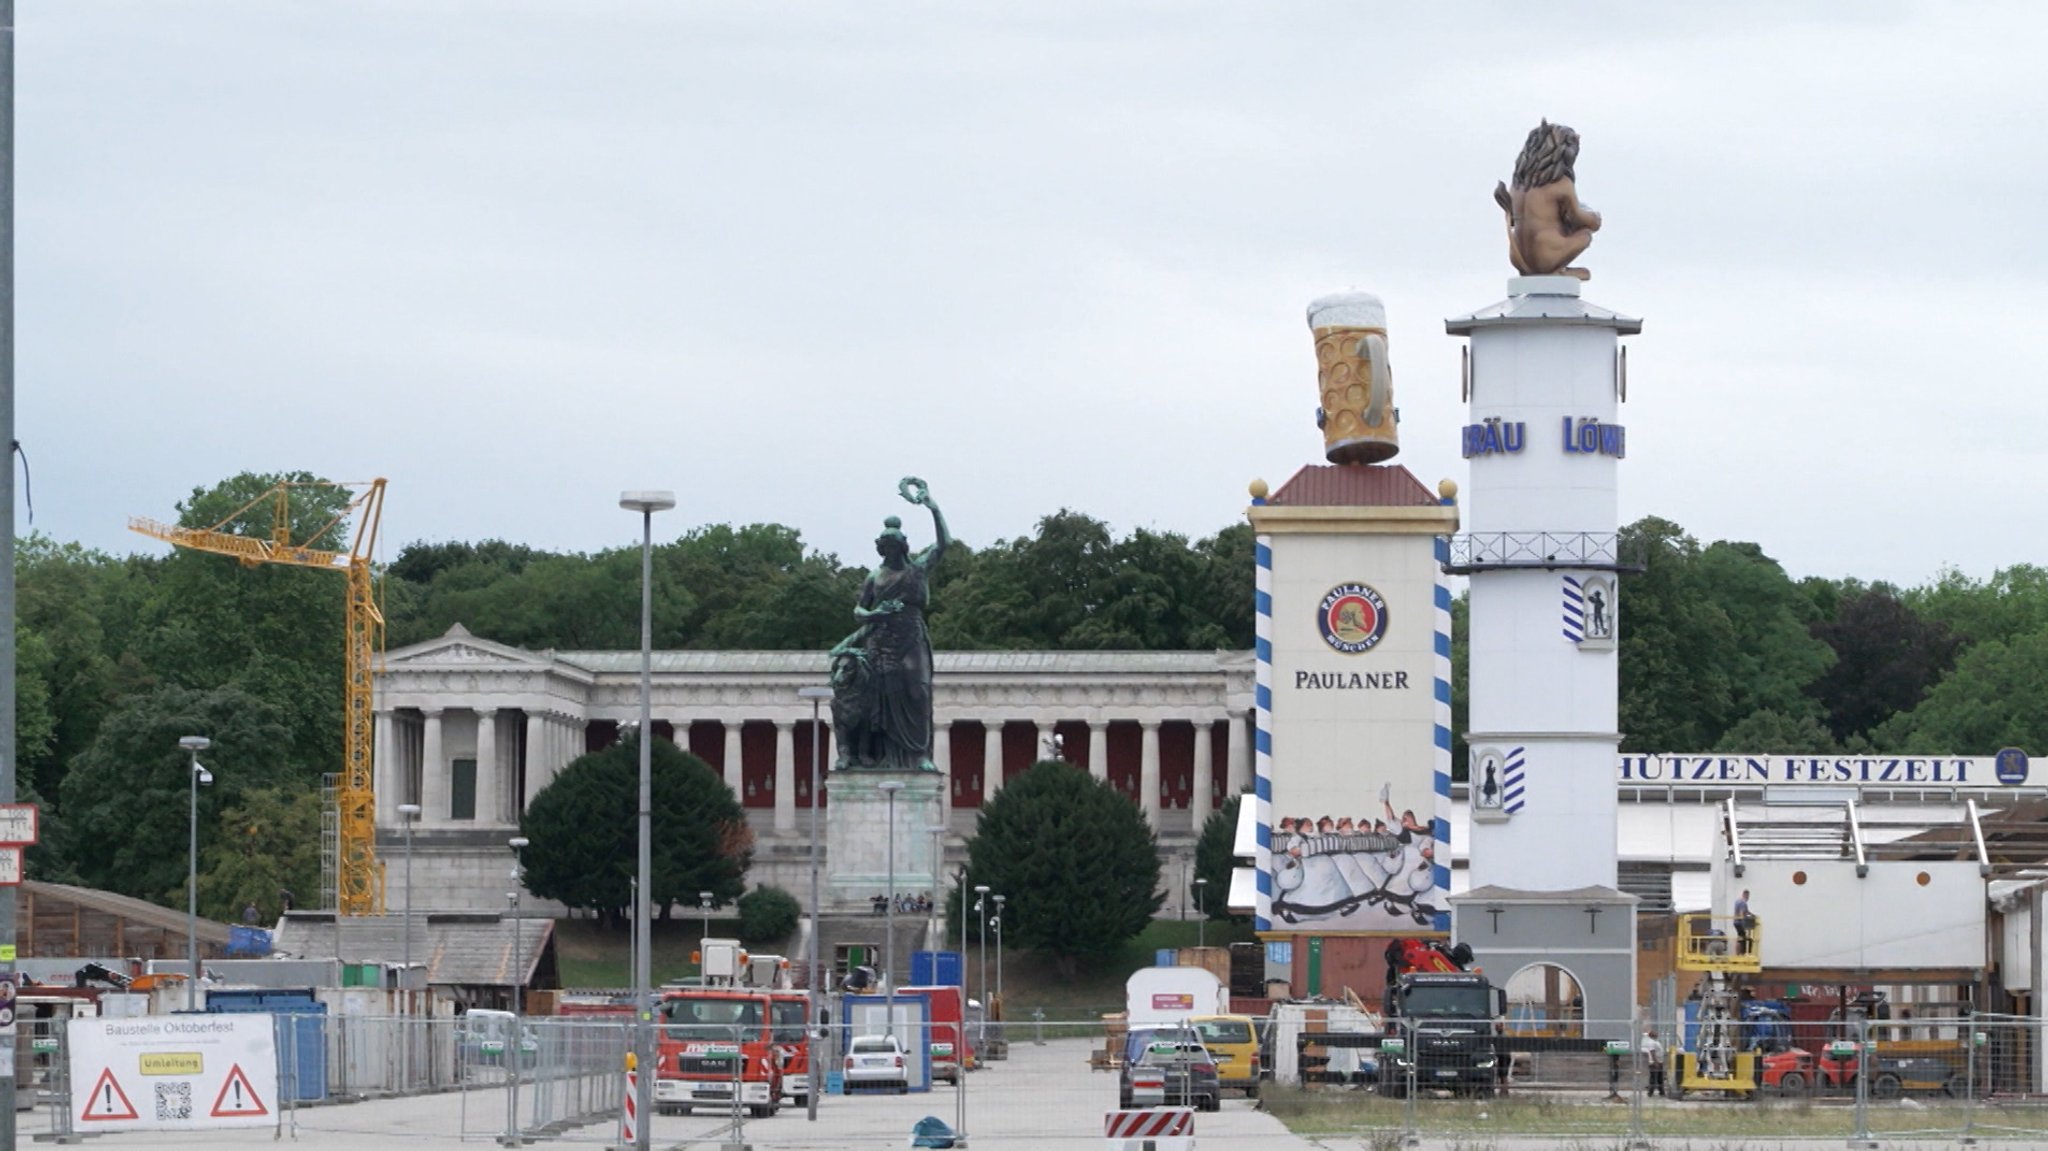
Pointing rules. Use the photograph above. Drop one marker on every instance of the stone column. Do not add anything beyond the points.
(1098, 748)
(539, 761)
(1240, 767)
(991, 760)
(433, 772)
(785, 775)
(386, 777)
(735, 777)
(489, 808)
(942, 758)
(1148, 772)
(1205, 772)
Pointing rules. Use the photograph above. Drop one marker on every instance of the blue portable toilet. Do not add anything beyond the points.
(301, 1026)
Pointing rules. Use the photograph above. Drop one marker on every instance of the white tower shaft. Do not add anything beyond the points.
(1542, 552)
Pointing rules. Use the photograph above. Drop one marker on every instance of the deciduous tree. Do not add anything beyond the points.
(126, 799)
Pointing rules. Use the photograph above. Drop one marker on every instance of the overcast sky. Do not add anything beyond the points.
(517, 256)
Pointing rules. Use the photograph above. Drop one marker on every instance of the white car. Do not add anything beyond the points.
(876, 1061)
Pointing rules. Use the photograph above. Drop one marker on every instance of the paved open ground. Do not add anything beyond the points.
(1042, 1097)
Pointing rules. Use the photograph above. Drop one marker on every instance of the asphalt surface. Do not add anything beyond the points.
(1042, 1096)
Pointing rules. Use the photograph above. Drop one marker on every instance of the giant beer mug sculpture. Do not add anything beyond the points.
(1357, 386)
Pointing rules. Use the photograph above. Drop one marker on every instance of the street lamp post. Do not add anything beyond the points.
(999, 951)
(938, 834)
(407, 812)
(515, 1043)
(518, 844)
(890, 787)
(981, 937)
(704, 902)
(646, 503)
(1201, 912)
(193, 745)
(816, 695)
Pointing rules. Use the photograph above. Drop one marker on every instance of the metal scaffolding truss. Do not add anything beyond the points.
(1596, 551)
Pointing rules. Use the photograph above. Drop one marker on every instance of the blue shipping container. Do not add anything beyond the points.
(301, 1025)
(936, 969)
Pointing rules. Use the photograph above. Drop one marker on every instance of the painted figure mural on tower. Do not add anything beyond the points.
(1547, 225)
(1336, 866)
(882, 673)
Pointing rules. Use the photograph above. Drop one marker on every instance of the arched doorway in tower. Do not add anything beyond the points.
(1546, 999)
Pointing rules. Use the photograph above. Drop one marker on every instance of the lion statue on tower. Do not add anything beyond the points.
(1547, 226)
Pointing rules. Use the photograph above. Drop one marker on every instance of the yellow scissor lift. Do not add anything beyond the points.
(1718, 1060)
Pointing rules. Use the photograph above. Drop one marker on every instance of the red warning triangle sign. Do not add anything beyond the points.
(107, 1100)
(238, 1097)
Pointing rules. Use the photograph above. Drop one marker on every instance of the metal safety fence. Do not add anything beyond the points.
(514, 1080)
(1320, 1075)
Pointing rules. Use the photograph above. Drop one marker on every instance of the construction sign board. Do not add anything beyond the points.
(174, 1073)
(18, 824)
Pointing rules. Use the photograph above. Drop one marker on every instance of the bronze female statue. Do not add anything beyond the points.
(882, 673)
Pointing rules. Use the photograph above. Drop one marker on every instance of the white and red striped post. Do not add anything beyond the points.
(1157, 1128)
(629, 1119)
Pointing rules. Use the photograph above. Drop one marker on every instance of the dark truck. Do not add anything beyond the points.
(1443, 1021)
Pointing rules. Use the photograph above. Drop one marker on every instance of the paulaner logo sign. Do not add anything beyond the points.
(1352, 618)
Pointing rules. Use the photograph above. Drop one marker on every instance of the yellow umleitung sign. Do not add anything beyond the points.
(171, 1063)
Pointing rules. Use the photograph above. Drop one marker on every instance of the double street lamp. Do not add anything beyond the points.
(1201, 912)
(193, 745)
(646, 503)
(704, 902)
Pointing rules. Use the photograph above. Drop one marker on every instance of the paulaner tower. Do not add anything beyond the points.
(1545, 376)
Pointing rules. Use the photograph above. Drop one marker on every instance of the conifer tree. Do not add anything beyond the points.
(1075, 859)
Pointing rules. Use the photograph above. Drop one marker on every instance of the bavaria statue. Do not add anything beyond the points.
(1547, 225)
(882, 673)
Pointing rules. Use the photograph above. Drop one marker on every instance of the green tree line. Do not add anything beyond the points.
(119, 655)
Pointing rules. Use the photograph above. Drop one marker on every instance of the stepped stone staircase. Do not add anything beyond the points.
(839, 935)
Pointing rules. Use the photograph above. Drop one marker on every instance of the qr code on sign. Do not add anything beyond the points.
(174, 1101)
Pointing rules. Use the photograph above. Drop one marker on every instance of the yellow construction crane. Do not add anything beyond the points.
(360, 877)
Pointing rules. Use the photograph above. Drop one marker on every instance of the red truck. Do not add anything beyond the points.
(951, 1039)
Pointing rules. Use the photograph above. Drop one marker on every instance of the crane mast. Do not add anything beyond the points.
(359, 875)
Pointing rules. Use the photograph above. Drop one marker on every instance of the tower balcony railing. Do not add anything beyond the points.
(1492, 551)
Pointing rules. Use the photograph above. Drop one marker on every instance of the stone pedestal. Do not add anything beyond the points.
(857, 836)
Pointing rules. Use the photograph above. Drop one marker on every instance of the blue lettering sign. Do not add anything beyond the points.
(1493, 437)
(1587, 436)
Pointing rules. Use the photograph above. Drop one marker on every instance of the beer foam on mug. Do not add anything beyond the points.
(1348, 310)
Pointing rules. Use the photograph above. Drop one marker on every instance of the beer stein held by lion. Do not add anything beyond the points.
(1356, 383)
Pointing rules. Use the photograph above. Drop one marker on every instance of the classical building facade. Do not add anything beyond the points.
(471, 730)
